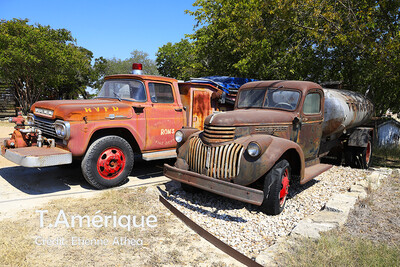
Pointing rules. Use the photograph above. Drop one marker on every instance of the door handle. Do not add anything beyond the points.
(178, 109)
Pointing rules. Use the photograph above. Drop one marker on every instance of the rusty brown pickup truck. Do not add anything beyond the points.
(275, 136)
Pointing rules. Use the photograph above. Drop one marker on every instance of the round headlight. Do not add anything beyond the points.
(178, 136)
(60, 130)
(253, 149)
(30, 120)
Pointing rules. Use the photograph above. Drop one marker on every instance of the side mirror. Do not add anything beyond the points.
(222, 100)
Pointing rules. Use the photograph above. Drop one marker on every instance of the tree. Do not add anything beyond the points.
(104, 67)
(355, 42)
(177, 60)
(39, 62)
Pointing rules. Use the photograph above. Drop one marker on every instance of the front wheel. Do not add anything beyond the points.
(276, 188)
(108, 162)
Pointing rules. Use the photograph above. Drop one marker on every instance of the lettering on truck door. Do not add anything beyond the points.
(163, 118)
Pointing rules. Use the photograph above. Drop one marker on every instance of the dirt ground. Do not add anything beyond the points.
(5, 129)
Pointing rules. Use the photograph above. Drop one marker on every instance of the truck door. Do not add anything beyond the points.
(163, 118)
(201, 107)
(311, 124)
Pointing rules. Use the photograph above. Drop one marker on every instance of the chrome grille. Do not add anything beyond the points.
(218, 133)
(221, 162)
(46, 126)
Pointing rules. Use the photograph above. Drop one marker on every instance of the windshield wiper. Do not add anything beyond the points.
(115, 94)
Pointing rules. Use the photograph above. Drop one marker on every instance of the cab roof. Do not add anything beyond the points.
(141, 77)
(300, 85)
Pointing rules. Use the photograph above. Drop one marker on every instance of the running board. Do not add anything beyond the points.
(167, 154)
(314, 170)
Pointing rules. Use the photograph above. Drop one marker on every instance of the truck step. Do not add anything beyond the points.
(167, 154)
(314, 170)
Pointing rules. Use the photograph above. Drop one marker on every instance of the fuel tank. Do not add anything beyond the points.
(344, 110)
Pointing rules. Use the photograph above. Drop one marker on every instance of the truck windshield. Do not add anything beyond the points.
(268, 98)
(123, 89)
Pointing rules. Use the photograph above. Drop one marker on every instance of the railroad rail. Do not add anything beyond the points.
(208, 236)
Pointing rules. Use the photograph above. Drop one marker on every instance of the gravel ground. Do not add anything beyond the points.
(249, 231)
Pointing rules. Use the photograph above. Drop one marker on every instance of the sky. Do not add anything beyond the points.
(109, 28)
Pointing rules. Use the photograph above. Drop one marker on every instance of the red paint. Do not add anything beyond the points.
(368, 153)
(285, 187)
(111, 163)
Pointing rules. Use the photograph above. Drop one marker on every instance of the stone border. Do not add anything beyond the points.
(333, 214)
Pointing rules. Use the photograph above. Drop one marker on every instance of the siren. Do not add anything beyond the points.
(137, 69)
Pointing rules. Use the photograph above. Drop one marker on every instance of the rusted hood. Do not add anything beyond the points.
(93, 109)
(250, 117)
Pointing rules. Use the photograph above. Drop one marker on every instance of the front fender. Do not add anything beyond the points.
(273, 149)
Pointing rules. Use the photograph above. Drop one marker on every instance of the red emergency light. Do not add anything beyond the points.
(137, 68)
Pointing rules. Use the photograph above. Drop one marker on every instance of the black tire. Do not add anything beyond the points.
(107, 162)
(363, 157)
(190, 188)
(276, 187)
(359, 157)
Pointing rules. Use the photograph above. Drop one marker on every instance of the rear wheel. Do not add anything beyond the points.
(108, 162)
(276, 188)
(364, 156)
(359, 157)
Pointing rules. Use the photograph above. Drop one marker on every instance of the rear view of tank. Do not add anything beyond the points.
(345, 114)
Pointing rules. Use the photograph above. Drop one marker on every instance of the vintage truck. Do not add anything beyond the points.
(274, 137)
(133, 114)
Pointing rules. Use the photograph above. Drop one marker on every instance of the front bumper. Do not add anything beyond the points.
(223, 188)
(36, 156)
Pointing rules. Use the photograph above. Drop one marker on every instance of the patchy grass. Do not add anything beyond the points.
(14, 246)
(169, 243)
(340, 249)
(370, 237)
(386, 157)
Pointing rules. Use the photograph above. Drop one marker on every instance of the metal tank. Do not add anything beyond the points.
(344, 110)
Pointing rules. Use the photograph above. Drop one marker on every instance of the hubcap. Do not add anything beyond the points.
(285, 187)
(111, 162)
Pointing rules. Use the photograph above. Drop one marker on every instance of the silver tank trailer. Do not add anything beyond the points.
(344, 110)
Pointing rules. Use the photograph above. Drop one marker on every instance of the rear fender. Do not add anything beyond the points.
(360, 136)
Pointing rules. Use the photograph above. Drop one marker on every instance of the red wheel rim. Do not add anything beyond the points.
(285, 188)
(111, 162)
(368, 153)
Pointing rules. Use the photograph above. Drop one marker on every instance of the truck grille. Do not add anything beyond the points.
(46, 126)
(214, 134)
(221, 162)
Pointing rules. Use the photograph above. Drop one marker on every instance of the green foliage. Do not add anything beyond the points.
(355, 42)
(103, 67)
(41, 63)
(177, 60)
